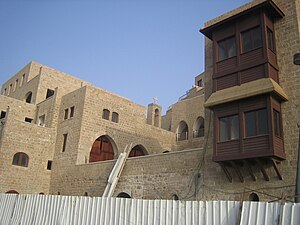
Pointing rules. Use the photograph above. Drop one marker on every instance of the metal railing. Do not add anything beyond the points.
(182, 136)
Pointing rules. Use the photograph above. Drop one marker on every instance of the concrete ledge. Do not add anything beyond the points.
(250, 89)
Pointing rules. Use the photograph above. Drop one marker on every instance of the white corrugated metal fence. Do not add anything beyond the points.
(64, 210)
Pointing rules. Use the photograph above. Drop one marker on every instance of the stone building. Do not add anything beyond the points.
(236, 138)
(60, 134)
(252, 98)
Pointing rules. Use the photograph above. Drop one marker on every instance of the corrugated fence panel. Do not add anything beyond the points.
(65, 210)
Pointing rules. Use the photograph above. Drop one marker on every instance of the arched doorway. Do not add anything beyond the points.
(138, 150)
(12, 192)
(123, 195)
(253, 197)
(182, 131)
(198, 130)
(102, 150)
(28, 97)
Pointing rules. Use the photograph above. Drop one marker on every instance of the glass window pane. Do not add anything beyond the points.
(246, 38)
(256, 37)
(224, 129)
(227, 48)
(276, 123)
(270, 39)
(16, 159)
(231, 47)
(24, 160)
(222, 51)
(235, 130)
(250, 124)
(262, 122)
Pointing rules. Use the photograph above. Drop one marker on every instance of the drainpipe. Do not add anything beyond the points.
(297, 190)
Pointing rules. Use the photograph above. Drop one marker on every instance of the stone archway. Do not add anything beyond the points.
(12, 192)
(138, 150)
(182, 131)
(28, 97)
(102, 149)
(198, 130)
(123, 195)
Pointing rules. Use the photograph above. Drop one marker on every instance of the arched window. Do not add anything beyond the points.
(123, 195)
(253, 197)
(102, 150)
(182, 131)
(156, 118)
(198, 127)
(21, 159)
(12, 192)
(175, 197)
(137, 150)
(105, 114)
(115, 117)
(28, 97)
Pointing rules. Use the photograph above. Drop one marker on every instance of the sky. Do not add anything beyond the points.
(134, 48)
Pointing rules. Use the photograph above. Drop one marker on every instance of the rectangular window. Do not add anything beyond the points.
(115, 117)
(42, 121)
(72, 111)
(49, 165)
(277, 123)
(256, 122)
(23, 79)
(226, 48)
(200, 83)
(16, 84)
(251, 39)
(66, 114)
(105, 114)
(229, 128)
(270, 37)
(49, 93)
(65, 136)
(3, 115)
(10, 88)
(28, 120)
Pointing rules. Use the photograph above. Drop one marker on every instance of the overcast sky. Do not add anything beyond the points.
(135, 48)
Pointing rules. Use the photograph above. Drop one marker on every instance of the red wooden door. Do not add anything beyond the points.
(101, 150)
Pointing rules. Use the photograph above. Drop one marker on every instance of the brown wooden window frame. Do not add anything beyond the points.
(20, 159)
(115, 117)
(258, 129)
(229, 128)
(251, 33)
(105, 114)
(228, 45)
